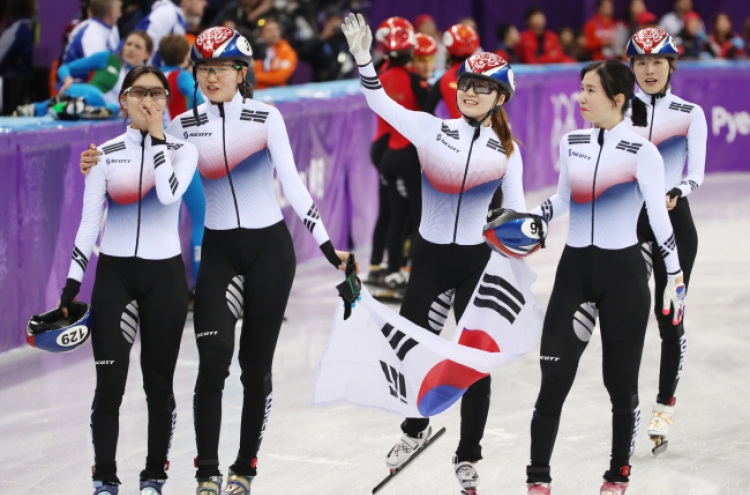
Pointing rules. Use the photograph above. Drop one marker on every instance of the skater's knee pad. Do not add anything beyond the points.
(160, 402)
(156, 384)
(255, 382)
(212, 374)
(107, 401)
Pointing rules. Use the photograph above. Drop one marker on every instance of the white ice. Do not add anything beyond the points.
(45, 399)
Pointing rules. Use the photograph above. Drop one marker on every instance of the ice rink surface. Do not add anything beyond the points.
(45, 399)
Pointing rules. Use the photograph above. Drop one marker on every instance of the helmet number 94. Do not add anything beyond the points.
(531, 229)
(72, 336)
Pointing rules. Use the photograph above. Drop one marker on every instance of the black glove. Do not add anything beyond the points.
(675, 192)
(350, 288)
(494, 214)
(69, 292)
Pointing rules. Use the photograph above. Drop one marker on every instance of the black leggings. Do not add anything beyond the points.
(438, 272)
(403, 173)
(129, 291)
(380, 234)
(588, 279)
(250, 271)
(673, 342)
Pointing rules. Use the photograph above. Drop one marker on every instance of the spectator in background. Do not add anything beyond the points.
(673, 22)
(692, 38)
(175, 54)
(470, 22)
(243, 16)
(131, 16)
(539, 45)
(426, 24)
(573, 44)
(424, 55)
(647, 20)
(600, 31)
(724, 42)
(280, 59)
(96, 34)
(328, 53)
(461, 42)
(166, 18)
(507, 40)
(628, 25)
(17, 40)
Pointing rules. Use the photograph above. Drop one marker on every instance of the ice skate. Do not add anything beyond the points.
(659, 427)
(152, 487)
(397, 280)
(610, 488)
(209, 486)
(538, 488)
(237, 485)
(467, 476)
(101, 488)
(406, 448)
(376, 277)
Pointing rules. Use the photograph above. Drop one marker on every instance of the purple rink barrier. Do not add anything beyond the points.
(330, 128)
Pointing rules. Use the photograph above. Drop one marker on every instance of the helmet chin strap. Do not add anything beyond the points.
(477, 123)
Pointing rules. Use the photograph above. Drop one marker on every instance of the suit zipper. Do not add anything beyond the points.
(140, 198)
(593, 188)
(653, 111)
(226, 162)
(463, 184)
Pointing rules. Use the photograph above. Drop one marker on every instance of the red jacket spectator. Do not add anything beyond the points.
(408, 90)
(600, 35)
(550, 52)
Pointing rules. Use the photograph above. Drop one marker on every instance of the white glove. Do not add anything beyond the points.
(674, 297)
(359, 38)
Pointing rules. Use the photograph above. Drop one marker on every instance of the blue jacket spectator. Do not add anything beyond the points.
(96, 34)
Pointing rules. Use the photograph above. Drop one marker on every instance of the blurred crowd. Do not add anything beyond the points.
(285, 32)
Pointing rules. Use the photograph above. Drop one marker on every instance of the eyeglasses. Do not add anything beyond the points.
(218, 70)
(140, 92)
(481, 86)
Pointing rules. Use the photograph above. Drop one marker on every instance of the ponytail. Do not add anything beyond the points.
(639, 112)
(246, 89)
(501, 126)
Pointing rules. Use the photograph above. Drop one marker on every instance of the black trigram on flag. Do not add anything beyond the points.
(173, 183)
(681, 108)
(579, 138)
(448, 132)
(398, 343)
(396, 381)
(500, 296)
(629, 147)
(251, 116)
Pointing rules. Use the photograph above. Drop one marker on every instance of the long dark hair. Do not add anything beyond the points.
(617, 78)
(137, 72)
(501, 126)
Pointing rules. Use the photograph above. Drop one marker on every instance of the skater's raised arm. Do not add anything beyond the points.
(409, 123)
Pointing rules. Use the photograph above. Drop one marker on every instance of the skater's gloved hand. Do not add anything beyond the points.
(351, 287)
(494, 214)
(672, 196)
(69, 295)
(674, 297)
(89, 158)
(359, 38)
